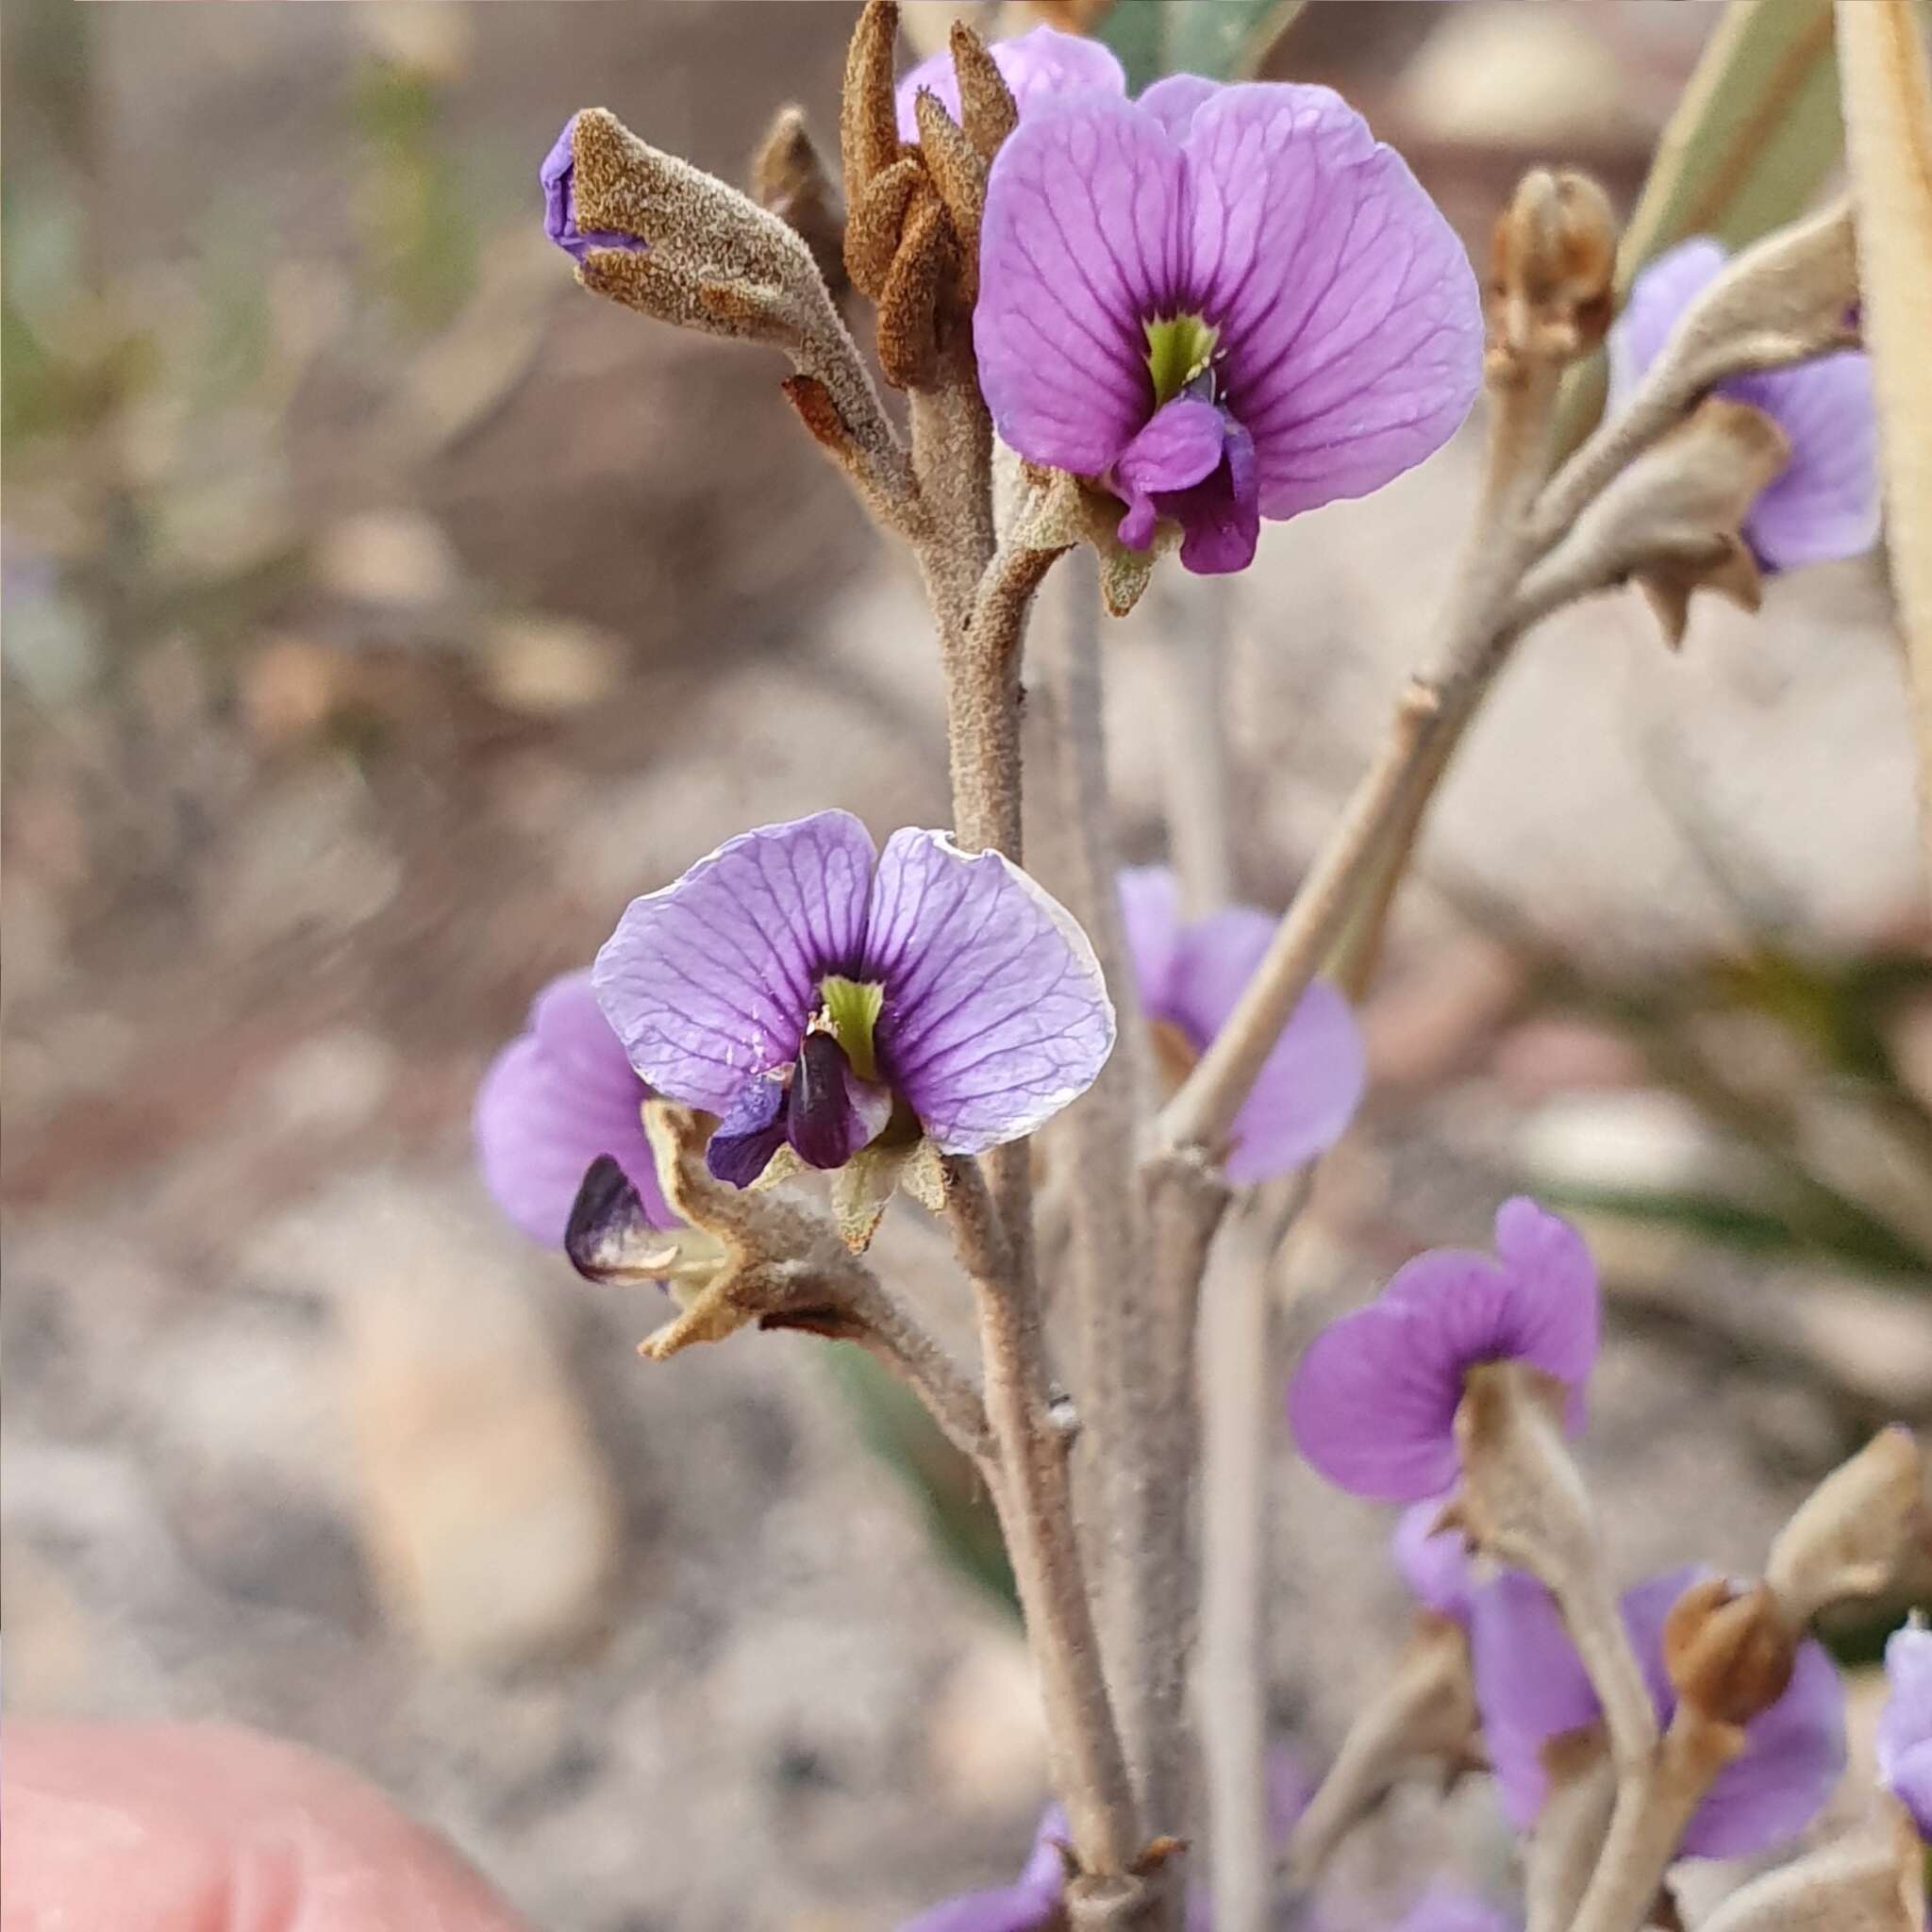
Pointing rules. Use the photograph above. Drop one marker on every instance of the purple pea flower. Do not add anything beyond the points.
(1030, 1902)
(556, 1098)
(559, 205)
(1904, 1725)
(1372, 1404)
(1036, 66)
(1221, 304)
(1823, 504)
(807, 989)
(1443, 1909)
(1189, 978)
(1434, 1562)
(1530, 1687)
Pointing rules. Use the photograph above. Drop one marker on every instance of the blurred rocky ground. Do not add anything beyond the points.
(382, 612)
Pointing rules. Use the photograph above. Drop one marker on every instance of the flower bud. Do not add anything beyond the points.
(1553, 258)
(788, 177)
(1728, 1654)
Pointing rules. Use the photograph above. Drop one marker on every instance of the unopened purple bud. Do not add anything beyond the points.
(560, 203)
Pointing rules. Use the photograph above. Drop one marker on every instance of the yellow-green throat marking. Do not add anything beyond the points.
(1180, 348)
(852, 1010)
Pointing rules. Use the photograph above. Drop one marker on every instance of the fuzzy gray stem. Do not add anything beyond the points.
(895, 1337)
(1240, 1380)
(1036, 1506)
(1197, 767)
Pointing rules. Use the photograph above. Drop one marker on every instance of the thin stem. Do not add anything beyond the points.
(1194, 661)
(1036, 1506)
(1240, 1384)
(894, 1337)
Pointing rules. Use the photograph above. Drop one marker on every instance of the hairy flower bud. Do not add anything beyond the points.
(788, 177)
(1552, 259)
(1728, 1654)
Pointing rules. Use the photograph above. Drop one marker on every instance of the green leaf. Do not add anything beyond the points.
(1225, 40)
(959, 1512)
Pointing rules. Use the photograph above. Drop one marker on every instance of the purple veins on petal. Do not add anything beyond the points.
(1531, 1687)
(1036, 66)
(1904, 1725)
(1343, 314)
(554, 1099)
(1372, 1403)
(559, 205)
(1824, 503)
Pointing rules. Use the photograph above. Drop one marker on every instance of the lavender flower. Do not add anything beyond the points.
(1824, 503)
(1443, 1909)
(810, 990)
(1434, 1562)
(1036, 66)
(1189, 978)
(1372, 1404)
(1530, 1687)
(1904, 1725)
(559, 207)
(556, 1098)
(1222, 303)
(1027, 1904)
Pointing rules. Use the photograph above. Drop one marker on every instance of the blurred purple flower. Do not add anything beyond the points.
(1372, 1404)
(1189, 978)
(1036, 66)
(1530, 1686)
(1444, 1908)
(559, 207)
(1032, 1901)
(799, 985)
(1904, 1725)
(1434, 1562)
(559, 1095)
(1222, 303)
(1824, 503)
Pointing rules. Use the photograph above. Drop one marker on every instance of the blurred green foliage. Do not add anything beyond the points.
(1225, 40)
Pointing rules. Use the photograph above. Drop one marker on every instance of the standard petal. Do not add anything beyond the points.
(1373, 1404)
(1434, 1562)
(1793, 1756)
(1080, 248)
(1530, 1686)
(1310, 1085)
(1173, 98)
(1037, 66)
(1351, 329)
(552, 1100)
(1657, 298)
(1556, 1309)
(1151, 910)
(1825, 504)
(996, 1013)
(715, 978)
(1904, 1725)
(1181, 443)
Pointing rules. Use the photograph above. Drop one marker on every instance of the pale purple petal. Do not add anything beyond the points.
(1181, 444)
(1558, 1312)
(1444, 1908)
(1151, 909)
(1530, 1686)
(1657, 299)
(1434, 1562)
(1026, 1905)
(1311, 1082)
(1037, 66)
(1173, 98)
(1904, 1725)
(714, 978)
(559, 207)
(995, 1012)
(1351, 329)
(552, 1100)
(1081, 244)
(1824, 503)
(1220, 515)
